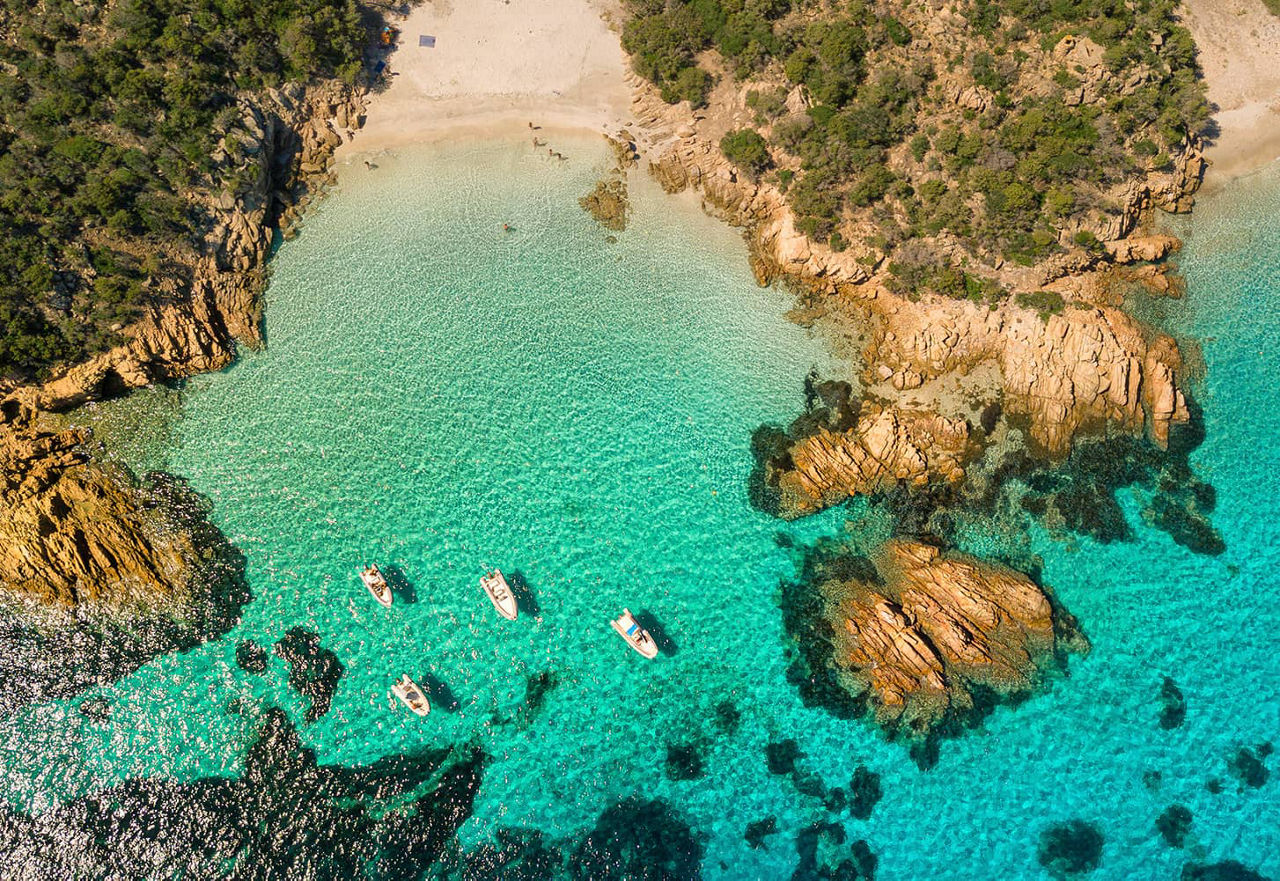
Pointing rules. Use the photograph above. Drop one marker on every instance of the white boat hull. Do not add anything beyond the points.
(496, 588)
(412, 696)
(378, 586)
(635, 635)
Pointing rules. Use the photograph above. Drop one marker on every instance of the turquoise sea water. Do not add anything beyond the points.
(439, 395)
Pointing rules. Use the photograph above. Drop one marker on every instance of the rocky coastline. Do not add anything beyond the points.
(102, 571)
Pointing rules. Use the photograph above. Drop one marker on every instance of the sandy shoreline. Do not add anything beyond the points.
(1239, 45)
(497, 66)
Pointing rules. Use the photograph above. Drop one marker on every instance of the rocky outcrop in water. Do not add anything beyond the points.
(99, 571)
(936, 630)
(925, 641)
(886, 447)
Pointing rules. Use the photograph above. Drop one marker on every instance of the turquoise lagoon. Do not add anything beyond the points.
(439, 394)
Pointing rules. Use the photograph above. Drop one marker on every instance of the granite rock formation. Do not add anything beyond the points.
(887, 446)
(99, 571)
(930, 638)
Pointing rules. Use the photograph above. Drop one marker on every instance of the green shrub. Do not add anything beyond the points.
(746, 149)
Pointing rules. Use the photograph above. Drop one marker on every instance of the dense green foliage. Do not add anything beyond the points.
(986, 136)
(107, 123)
(747, 150)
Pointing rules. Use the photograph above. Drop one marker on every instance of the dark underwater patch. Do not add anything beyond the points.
(781, 756)
(1070, 848)
(77, 649)
(1174, 825)
(864, 792)
(314, 671)
(684, 761)
(1229, 870)
(1247, 766)
(537, 688)
(1173, 706)
(727, 716)
(285, 817)
(760, 829)
(638, 839)
(1082, 491)
(251, 657)
(516, 855)
(822, 855)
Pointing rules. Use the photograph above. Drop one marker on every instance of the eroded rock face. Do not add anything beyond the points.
(98, 571)
(835, 452)
(215, 300)
(928, 641)
(1080, 369)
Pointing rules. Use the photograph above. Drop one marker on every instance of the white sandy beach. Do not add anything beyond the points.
(1239, 43)
(496, 66)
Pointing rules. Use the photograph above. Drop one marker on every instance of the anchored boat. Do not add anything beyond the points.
(377, 584)
(635, 635)
(411, 695)
(495, 585)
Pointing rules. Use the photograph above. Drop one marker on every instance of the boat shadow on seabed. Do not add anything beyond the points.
(666, 645)
(400, 584)
(523, 593)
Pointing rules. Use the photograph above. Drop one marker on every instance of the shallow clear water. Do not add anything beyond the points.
(439, 395)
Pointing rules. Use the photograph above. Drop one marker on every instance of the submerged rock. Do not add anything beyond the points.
(251, 657)
(1247, 767)
(1174, 825)
(638, 839)
(607, 203)
(1071, 848)
(100, 572)
(1228, 870)
(924, 640)
(759, 830)
(684, 761)
(1173, 706)
(314, 671)
(285, 816)
(865, 792)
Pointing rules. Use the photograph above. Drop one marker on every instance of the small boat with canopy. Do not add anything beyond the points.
(377, 583)
(635, 635)
(411, 695)
(499, 592)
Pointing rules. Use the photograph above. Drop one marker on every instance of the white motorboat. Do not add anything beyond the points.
(495, 585)
(635, 635)
(377, 584)
(411, 695)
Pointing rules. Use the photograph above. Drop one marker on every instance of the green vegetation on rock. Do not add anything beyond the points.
(109, 114)
(1008, 126)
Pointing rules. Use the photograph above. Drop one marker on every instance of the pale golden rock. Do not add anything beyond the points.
(933, 628)
(885, 448)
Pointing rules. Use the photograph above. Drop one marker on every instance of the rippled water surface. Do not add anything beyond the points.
(439, 394)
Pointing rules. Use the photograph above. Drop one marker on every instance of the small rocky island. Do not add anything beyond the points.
(926, 642)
